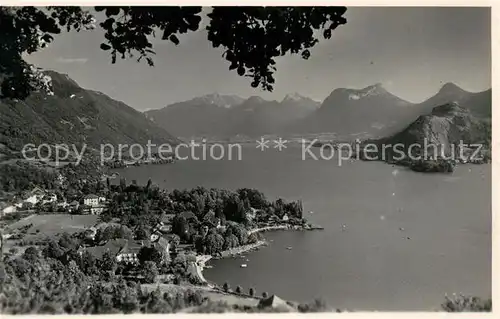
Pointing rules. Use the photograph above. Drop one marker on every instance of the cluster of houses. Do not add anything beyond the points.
(27, 200)
(119, 163)
(89, 204)
(126, 251)
(94, 204)
(263, 219)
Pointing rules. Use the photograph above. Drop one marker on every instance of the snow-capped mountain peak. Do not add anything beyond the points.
(295, 97)
(217, 99)
(371, 90)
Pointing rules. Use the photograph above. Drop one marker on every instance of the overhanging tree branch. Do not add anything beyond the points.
(251, 37)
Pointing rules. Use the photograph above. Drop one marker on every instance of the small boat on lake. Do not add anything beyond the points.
(243, 265)
(289, 248)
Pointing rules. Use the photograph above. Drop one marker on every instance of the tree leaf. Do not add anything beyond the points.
(105, 47)
(174, 39)
(241, 70)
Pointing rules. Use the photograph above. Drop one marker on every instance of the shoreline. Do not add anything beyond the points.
(201, 260)
(285, 227)
(241, 249)
(267, 228)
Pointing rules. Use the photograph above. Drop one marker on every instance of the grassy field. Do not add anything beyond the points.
(53, 224)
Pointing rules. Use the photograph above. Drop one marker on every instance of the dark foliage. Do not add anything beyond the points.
(238, 290)
(20, 176)
(318, 305)
(212, 220)
(46, 286)
(147, 254)
(251, 37)
(463, 303)
(73, 115)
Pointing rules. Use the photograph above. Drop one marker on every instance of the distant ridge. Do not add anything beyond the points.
(478, 102)
(75, 115)
(446, 124)
(374, 112)
(226, 116)
(371, 111)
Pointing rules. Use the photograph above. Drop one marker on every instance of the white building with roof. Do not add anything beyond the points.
(91, 200)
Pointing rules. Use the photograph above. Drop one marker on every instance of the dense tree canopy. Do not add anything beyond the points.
(251, 37)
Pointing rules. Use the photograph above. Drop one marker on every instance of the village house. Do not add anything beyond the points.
(130, 252)
(114, 247)
(34, 196)
(162, 228)
(211, 220)
(93, 204)
(93, 210)
(91, 200)
(126, 251)
(49, 198)
(250, 215)
(73, 206)
(128, 255)
(62, 203)
(19, 204)
(7, 209)
(218, 224)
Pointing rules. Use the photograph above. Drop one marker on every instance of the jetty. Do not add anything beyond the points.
(241, 249)
(285, 227)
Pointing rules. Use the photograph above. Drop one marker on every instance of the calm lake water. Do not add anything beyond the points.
(445, 246)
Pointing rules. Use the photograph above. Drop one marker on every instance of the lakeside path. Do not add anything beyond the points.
(242, 249)
(262, 229)
(201, 260)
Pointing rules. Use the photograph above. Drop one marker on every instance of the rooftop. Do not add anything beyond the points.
(113, 246)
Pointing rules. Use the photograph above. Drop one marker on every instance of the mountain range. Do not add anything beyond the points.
(74, 115)
(77, 115)
(368, 112)
(356, 112)
(217, 115)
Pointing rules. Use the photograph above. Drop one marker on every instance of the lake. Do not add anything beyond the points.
(409, 239)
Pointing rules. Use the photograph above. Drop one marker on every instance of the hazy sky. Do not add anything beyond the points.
(411, 51)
